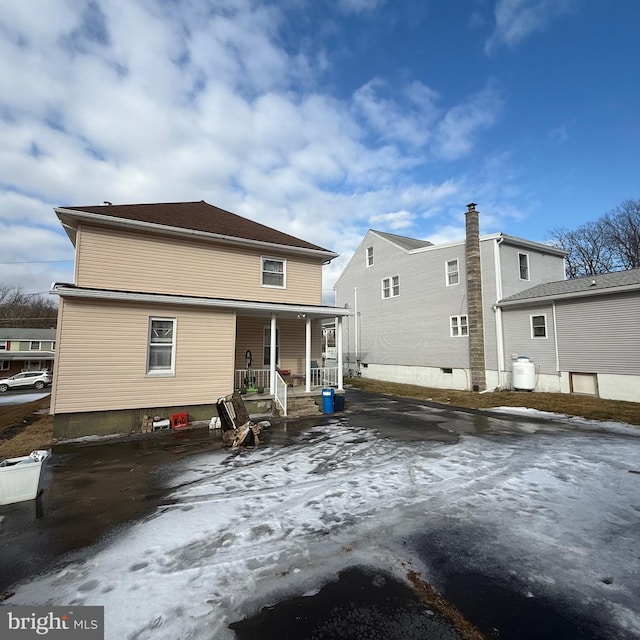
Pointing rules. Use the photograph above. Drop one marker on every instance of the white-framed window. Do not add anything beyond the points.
(369, 256)
(4, 365)
(539, 326)
(36, 365)
(274, 272)
(34, 345)
(391, 287)
(266, 349)
(523, 266)
(53, 345)
(459, 326)
(162, 346)
(453, 272)
(4, 345)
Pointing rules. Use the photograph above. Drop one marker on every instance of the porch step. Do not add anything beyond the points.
(298, 407)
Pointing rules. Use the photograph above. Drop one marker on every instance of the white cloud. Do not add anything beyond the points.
(395, 220)
(407, 117)
(207, 103)
(455, 132)
(518, 19)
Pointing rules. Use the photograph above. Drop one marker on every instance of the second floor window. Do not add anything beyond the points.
(34, 346)
(459, 326)
(453, 273)
(523, 262)
(369, 256)
(391, 287)
(4, 345)
(538, 326)
(273, 272)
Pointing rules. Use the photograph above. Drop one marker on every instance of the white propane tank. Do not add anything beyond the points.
(524, 374)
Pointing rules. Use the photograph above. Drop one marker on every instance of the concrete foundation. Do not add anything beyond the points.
(100, 423)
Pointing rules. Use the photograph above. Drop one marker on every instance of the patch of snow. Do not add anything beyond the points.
(22, 398)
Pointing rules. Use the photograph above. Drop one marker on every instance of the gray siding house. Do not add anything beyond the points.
(412, 320)
(464, 315)
(583, 335)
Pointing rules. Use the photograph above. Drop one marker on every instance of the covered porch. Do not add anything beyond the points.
(294, 334)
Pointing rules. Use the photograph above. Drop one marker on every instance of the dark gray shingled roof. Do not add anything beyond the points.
(198, 216)
(8, 333)
(403, 241)
(603, 282)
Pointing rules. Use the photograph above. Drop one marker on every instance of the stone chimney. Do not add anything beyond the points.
(475, 317)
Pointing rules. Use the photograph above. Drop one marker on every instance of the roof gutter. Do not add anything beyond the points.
(569, 295)
(71, 291)
(181, 231)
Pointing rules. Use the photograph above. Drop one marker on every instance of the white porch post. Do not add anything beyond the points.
(272, 358)
(307, 356)
(339, 352)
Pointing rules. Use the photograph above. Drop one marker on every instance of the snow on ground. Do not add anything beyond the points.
(560, 510)
(21, 398)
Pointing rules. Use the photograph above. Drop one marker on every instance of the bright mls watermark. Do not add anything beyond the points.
(26, 623)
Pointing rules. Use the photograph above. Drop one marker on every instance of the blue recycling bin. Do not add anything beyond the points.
(328, 396)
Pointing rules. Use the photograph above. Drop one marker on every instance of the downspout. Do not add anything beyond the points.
(339, 354)
(555, 337)
(356, 332)
(272, 359)
(498, 312)
(307, 355)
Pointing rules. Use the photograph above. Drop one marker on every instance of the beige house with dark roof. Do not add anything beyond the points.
(174, 305)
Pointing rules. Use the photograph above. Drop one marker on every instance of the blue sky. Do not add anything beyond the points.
(322, 119)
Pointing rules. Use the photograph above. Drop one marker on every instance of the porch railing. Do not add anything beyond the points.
(256, 379)
(261, 378)
(281, 393)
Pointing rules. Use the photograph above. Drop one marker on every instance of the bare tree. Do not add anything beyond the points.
(20, 309)
(588, 247)
(622, 226)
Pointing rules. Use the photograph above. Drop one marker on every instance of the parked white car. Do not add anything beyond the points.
(25, 380)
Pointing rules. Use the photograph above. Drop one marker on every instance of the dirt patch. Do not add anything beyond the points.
(25, 427)
(432, 598)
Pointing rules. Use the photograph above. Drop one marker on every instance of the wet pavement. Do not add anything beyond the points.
(363, 603)
(91, 489)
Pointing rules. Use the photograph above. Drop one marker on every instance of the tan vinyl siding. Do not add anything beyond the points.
(121, 260)
(101, 361)
(292, 343)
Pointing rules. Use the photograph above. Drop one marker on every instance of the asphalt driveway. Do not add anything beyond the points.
(529, 524)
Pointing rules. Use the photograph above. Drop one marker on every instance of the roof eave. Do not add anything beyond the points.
(69, 214)
(565, 296)
(318, 311)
